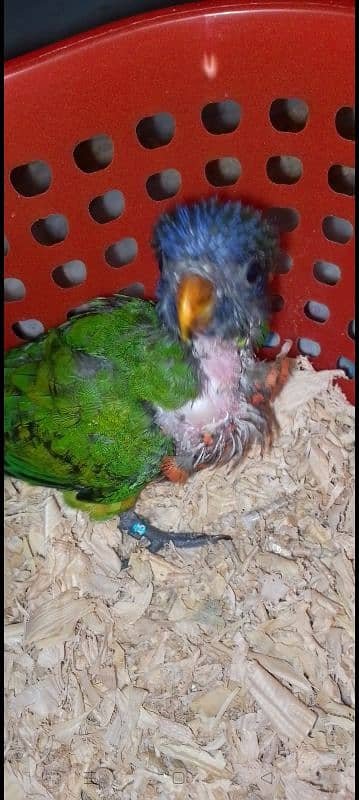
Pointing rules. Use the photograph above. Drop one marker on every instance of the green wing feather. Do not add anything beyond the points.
(264, 331)
(78, 402)
(260, 340)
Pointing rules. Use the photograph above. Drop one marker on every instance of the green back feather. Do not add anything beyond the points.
(78, 401)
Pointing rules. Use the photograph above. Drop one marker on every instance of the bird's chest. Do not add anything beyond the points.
(218, 401)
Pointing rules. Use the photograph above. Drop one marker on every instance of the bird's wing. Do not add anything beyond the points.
(78, 402)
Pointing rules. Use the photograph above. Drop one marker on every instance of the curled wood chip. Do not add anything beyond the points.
(132, 608)
(12, 788)
(65, 731)
(55, 620)
(211, 703)
(316, 532)
(319, 465)
(14, 634)
(271, 562)
(163, 570)
(165, 727)
(42, 698)
(340, 721)
(302, 388)
(281, 670)
(191, 755)
(53, 516)
(288, 715)
(123, 731)
(295, 788)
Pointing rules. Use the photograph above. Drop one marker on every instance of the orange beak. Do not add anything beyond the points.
(195, 304)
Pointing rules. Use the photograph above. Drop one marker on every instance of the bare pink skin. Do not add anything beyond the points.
(222, 410)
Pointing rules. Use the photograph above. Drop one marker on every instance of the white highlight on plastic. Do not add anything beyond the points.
(210, 65)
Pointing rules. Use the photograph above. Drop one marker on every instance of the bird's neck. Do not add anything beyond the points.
(219, 362)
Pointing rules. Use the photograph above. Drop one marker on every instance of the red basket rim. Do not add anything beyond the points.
(172, 14)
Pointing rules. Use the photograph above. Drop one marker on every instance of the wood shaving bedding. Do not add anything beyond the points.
(214, 674)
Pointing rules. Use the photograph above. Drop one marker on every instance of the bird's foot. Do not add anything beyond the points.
(275, 376)
(175, 469)
(227, 440)
(134, 525)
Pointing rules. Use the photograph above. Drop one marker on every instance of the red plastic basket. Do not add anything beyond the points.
(255, 100)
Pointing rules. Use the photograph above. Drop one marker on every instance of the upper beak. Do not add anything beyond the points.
(195, 304)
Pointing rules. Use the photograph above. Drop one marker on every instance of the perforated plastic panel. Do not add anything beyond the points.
(252, 100)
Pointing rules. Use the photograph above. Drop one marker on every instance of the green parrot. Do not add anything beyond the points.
(128, 390)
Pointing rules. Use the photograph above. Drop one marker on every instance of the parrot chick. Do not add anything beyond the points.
(216, 262)
(126, 391)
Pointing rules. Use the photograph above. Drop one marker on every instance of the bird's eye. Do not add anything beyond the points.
(254, 270)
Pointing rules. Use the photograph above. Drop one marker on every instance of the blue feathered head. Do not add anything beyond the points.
(215, 258)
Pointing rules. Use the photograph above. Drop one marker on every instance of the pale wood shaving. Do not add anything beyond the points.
(225, 673)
